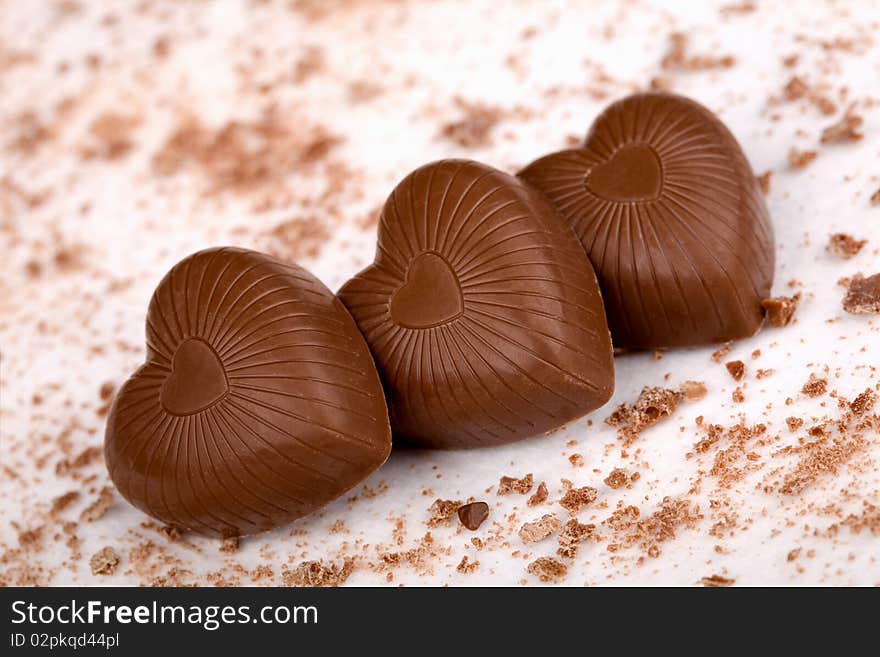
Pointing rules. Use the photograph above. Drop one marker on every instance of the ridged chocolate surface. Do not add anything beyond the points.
(481, 310)
(668, 209)
(258, 402)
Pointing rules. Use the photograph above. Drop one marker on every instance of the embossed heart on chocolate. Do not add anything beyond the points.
(196, 381)
(430, 295)
(481, 311)
(258, 403)
(632, 173)
(669, 212)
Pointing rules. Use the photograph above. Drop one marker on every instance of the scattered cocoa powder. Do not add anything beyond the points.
(317, 574)
(99, 507)
(474, 129)
(678, 58)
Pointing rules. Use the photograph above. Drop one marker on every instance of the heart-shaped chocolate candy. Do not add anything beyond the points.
(258, 403)
(481, 310)
(669, 212)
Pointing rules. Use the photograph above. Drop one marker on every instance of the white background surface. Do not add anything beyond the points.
(424, 55)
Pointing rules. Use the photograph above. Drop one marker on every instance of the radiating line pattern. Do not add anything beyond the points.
(303, 417)
(690, 266)
(530, 350)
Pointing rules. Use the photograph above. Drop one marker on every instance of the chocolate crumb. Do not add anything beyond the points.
(316, 574)
(548, 569)
(572, 534)
(780, 310)
(844, 246)
(815, 387)
(441, 511)
(716, 581)
(99, 507)
(473, 515)
(798, 159)
(576, 499)
(864, 402)
(862, 295)
(875, 198)
(794, 423)
(104, 561)
(737, 369)
(721, 353)
(61, 502)
(508, 485)
(540, 495)
(465, 566)
(795, 89)
(616, 479)
(653, 405)
(538, 530)
(577, 460)
(845, 130)
(693, 390)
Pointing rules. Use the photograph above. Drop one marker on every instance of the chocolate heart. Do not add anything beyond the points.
(197, 379)
(481, 310)
(632, 174)
(670, 214)
(259, 401)
(430, 296)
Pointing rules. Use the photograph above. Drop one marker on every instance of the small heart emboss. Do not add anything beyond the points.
(633, 173)
(197, 380)
(430, 296)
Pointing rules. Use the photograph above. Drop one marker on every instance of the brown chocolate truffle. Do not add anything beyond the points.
(669, 211)
(481, 310)
(258, 402)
